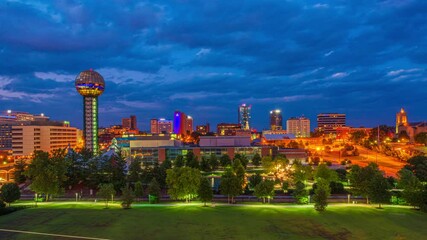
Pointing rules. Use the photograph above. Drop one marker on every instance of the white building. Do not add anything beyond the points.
(300, 127)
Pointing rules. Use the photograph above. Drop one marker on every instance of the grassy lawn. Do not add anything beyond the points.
(220, 222)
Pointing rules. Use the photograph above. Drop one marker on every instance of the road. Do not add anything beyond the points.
(389, 165)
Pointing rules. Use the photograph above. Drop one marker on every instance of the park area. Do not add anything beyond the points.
(192, 221)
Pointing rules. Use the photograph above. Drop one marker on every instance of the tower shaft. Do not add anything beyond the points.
(90, 120)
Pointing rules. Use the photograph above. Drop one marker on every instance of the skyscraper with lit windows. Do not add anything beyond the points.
(244, 116)
(276, 122)
(90, 85)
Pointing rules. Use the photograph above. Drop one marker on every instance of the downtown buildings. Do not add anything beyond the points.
(298, 126)
(329, 122)
(23, 133)
(244, 116)
(276, 122)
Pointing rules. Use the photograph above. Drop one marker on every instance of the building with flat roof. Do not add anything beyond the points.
(29, 138)
(276, 122)
(203, 129)
(161, 126)
(11, 120)
(224, 141)
(329, 122)
(298, 126)
(227, 129)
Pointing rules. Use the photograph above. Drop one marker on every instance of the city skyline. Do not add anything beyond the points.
(177, 56)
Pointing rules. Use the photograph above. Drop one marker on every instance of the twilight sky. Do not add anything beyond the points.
(365, 58)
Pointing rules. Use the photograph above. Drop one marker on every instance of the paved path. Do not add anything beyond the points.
(50, 234)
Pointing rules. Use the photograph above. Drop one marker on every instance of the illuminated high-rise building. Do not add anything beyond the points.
(300, 127)
(130, 123)
(329, 122)
(189, 125)
(90, 85)
(161, 125)
(401, 119)
(244, 116)
(276, 122)
(179, 123)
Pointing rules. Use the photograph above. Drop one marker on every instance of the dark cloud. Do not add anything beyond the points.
(364, 58)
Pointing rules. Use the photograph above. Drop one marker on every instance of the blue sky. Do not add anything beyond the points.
(363, 58)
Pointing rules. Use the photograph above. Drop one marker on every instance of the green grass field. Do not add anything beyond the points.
(220, 222)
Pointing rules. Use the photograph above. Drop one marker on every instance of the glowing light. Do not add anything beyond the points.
(42, 114)
(9, 111)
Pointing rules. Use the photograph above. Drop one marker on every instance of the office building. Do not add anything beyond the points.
(298, 126)
(329, 122)
(189, 125)
(161, 126)
(244, 116)
(276, 122)
(401, 119)
(182, 124)
(10, 119)
(203, 129)
(227, 129)
(90, 85)
(28, 138)
(130, 123)
(179, 122)
(154, 126)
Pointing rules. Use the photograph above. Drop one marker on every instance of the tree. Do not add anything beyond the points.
(421, 138)
(256, 160)
(254, 180)
(18, 174)
(292, 144)
(300, 193)
(403, 135)
(213, 162)
(10, 193)
(179, 161)
(240, 172)
(47, 172)
(192, 160)
(204, 165)
(77, 167)
(154, 191)
(358, 136)
(139, 190)
(135, 170)
(109, 167)
(242, 158)
(183, 183)
(360, 179)
(128, 196)
(205, 191)
(230, 185)
(413, 189)
(160, 172)
(301, 173)
(265, 189)
(378, 190)
(321, 195)
(325, 173)
(418, 165)
(225, 160)
(342, 174)
(106, 191)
